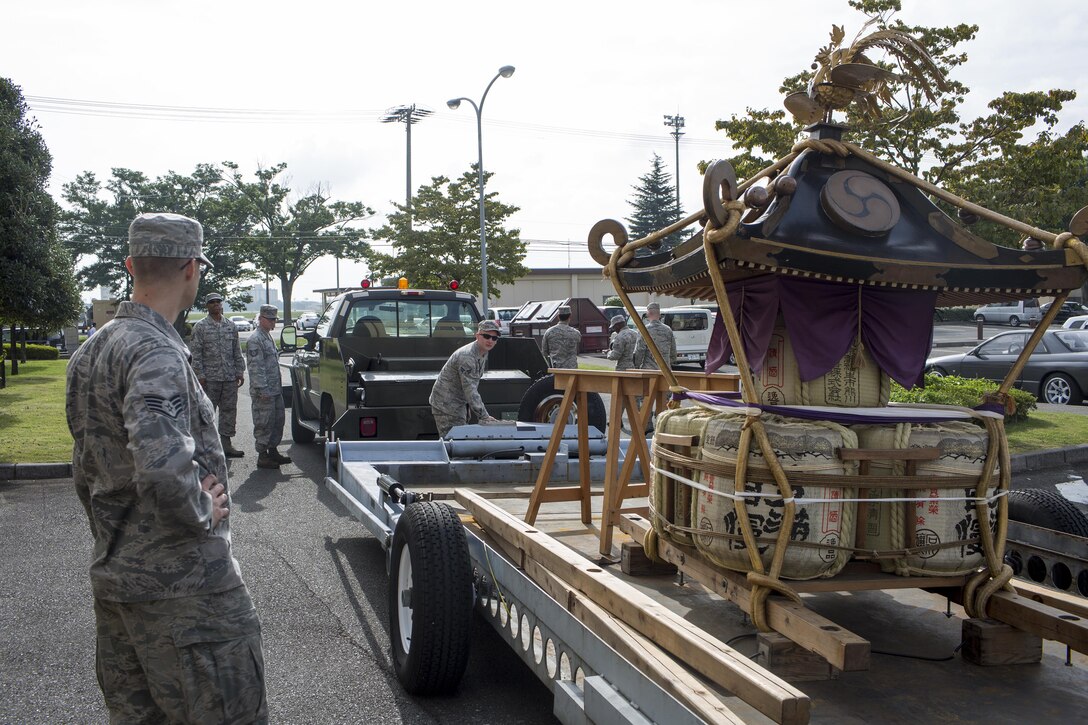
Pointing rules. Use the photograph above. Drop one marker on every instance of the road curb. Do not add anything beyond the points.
(1021, 463)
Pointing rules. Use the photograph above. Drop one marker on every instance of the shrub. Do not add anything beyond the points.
(964, 392)
(954, 314)
(41, 352)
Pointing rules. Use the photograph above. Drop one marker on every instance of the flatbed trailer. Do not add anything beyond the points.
(658, 647)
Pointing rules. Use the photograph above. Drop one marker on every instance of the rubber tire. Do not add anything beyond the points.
(299, 432)
(980, 318)
(1014, 321)
(1047, 509)
(1075, 395)
(442, 599)
(938, 371)
(543, 389)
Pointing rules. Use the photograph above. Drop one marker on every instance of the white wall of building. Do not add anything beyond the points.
(556, 284)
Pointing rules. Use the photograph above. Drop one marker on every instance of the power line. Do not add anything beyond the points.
(207, 114)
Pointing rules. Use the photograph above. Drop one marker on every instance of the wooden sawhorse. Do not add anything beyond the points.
(624, 388)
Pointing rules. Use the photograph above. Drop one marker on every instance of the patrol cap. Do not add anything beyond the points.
(564, 309)
(618, 320)
(212, 297)
(653, 307)
(161, 234)
(269, 312)
(489, 326)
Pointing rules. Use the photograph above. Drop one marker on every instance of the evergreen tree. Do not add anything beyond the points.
(655, 206)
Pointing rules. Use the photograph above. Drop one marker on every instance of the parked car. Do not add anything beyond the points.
(502, 315)
(1076, 323)
(1069, 309)
(1056, 372)
(1011, 313)
(241, 323)
(307, 321)
(691, 328)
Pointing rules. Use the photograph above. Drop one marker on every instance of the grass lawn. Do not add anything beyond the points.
(32, 423)
(33, 428)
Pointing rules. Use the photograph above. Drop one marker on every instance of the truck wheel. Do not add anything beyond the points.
(1047, 509)
(542, 401)
(299, 432)
(430, 599)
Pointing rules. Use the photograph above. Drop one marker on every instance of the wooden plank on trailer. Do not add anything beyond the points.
(721, 664)
(1064, 601)
(843, 649)
(650, 659)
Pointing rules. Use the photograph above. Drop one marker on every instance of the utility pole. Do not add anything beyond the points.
(677, 123)
(407, 115)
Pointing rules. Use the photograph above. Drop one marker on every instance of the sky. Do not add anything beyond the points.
(159, 85)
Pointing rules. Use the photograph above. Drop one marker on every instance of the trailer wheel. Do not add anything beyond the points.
(1039, 507)
(542, 401)
(430, 599)
(299, 432)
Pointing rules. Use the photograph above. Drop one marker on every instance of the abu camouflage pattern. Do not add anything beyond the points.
(145, 436)
(622, 349)
(560, 345)
(458, 388)
(665, 341)
(184, 660)
(265, 390)
(217, 354)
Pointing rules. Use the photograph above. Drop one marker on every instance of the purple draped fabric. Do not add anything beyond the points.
(822, 320)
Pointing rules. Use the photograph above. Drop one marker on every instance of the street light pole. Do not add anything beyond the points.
(677, 123)
(407, 115)
(505, 72)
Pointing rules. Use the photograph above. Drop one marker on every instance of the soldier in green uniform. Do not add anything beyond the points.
(171, 608)
(561, 341)
(265, 390)
(218, 363)
(663, 338)
(456, 391)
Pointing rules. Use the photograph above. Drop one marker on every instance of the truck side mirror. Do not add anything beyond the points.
(288, 339)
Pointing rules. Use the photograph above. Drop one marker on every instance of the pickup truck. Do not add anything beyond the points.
(367, 371)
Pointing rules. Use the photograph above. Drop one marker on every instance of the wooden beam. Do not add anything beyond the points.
(705, 654)
(1052, 597)
(650, 659)
(843, 649)
(1037, 618)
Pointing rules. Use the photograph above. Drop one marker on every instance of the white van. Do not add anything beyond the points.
(1012, 313)
(691, 328)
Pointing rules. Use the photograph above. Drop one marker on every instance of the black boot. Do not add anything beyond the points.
(278, 457)
(264, 460)
(230, 450)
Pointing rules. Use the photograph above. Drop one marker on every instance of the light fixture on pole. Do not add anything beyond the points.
(677, 123)
(407, 115)
(505, 72)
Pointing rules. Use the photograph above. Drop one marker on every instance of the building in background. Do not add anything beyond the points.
(561, 283)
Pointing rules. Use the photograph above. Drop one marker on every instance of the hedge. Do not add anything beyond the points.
(964, 392)
(40, 352)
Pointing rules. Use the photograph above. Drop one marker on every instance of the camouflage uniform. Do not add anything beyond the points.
(217, 360)
(663, 338)
(457, 389)
(265, 389)
(172, 611)
(560, 345)
(622, 349)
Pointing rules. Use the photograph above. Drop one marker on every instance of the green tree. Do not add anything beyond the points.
(37, 286)
(654, 205)
(985, 159)
(439, 240)
(286, 237)
(96, 225)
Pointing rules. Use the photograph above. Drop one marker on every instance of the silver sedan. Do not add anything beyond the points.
(1056, 372)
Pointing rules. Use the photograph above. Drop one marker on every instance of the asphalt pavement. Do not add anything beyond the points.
(317, 578)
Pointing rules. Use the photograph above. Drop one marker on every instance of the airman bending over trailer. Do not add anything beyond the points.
(457, 389)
